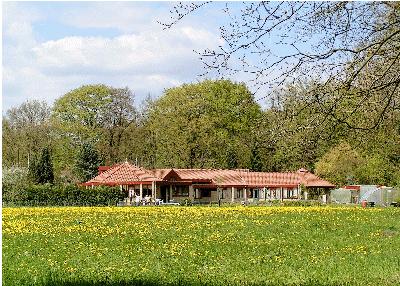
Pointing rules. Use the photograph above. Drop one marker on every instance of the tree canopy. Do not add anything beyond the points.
(81, 112)
(351, 49)
(204, 125)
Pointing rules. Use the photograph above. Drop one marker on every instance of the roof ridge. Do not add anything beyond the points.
(133, 167)
(148, 172)
(111, 171)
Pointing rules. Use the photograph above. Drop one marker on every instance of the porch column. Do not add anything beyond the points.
(245, 193)
(298, 193)
(141, 191)
(153, 190)
(191, 193)
(233, 194)
(170, 192)
(281, 194)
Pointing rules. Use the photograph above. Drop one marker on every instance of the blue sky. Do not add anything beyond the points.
(51, 48)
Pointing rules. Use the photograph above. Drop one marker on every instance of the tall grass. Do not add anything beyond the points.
(201, 246)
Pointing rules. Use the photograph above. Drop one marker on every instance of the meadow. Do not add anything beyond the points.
(201, 246)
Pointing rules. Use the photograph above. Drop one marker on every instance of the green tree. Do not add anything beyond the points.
(344, 45)
(98, 113)
(41, 170)
(25, 131)
(81, 112)
(119, 116)
(340, 165)
(204, 125)
(87, 162)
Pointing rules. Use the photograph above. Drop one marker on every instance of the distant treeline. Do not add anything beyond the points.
(205, 125)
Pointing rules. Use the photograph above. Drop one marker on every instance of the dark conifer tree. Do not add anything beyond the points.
(42, 170)
(87, 162)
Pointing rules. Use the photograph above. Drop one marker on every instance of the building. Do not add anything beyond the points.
(205, 185)
(356, 194)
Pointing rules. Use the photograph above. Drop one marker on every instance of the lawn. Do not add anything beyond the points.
(201, 246)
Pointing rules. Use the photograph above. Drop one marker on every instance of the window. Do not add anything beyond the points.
(239, 193)
(206, 192)
(284, 193)
(223, 193)
(147, 191)
(255, 193)
(180, 191)
(292, 193)
(273, 194)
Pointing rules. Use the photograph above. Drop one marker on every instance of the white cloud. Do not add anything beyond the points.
(146, 58)
(162, 79)
(150, 52)
(9, 76)
(17, 27)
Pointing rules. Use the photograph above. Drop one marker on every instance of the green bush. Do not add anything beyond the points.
(301, 203)
(71, 195)
(186, 202)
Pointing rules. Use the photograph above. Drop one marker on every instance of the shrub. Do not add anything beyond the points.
(71, 195)
(14, 176)
(186, 202)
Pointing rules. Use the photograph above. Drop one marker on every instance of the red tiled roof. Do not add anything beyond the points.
(271, 178)
(160, 173)
(219, 177)
(127, 173)
(124, 173)
(311, 180)
(301, 177)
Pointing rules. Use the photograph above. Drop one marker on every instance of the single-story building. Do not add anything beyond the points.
(356, 194)
(206, 185)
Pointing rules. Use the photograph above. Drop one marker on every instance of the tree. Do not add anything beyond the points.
(204, 125)
(14, 176)
(350, 48)
(81, 112)
(118, 117)
(92, 112)
(138, 142)
(340, 165)
(87, 162)
(26, 129)
(41, 171)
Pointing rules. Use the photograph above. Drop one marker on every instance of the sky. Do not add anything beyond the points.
(51, 48)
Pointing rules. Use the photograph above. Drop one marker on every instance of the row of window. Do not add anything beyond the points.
(135, 191)
(183, 191)
(270, 193)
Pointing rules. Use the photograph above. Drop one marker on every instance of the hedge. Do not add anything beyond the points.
(71, 195)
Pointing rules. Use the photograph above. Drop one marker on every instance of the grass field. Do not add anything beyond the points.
(201, 246)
